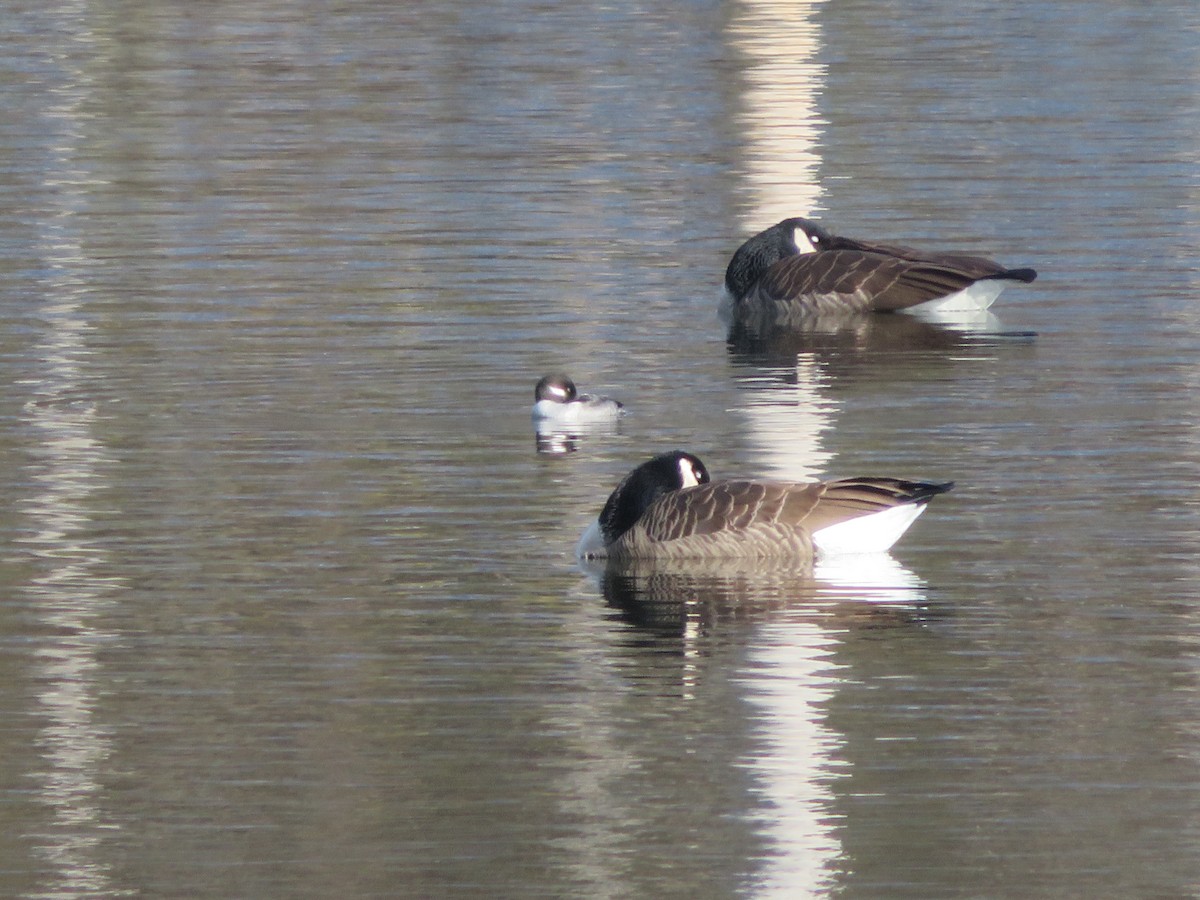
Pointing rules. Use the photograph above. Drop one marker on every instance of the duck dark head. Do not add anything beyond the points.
(558, 388)
(645, 484)
(752, 260)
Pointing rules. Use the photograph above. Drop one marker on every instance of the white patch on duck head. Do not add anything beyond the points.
(804, 242)
(688, 476)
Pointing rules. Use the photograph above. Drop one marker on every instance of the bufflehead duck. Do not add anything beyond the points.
(799, 266)
(669, 508)
(556, 401)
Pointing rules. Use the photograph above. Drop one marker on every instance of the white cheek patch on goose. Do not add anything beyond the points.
(804, 244)
(687, 474)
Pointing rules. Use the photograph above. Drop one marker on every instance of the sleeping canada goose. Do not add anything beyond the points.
(669, 508)
(798, 266)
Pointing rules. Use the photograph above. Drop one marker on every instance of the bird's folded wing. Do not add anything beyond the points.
(727, 506)
(861, 280)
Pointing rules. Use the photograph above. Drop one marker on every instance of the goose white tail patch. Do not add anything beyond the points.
(868, 534)
(804, 244)
(976, 298)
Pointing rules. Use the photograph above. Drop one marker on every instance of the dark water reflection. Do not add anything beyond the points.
(288, 603)
(846, 347)
(706, 597)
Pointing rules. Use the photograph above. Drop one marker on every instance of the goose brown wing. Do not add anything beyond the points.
(857, 280)
(727, 506)
(974, 266)
(849, 498)
(918, 283)
(784, 507)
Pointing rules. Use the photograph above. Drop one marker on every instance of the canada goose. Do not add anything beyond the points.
(557, 401)
(799, 266)
(669, 507)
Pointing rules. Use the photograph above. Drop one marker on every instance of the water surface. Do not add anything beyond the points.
(289, 603)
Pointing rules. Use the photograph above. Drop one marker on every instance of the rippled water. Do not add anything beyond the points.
(289, 606)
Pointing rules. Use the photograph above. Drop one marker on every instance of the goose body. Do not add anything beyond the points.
(798, 266)
(669, 508)
(556, 401)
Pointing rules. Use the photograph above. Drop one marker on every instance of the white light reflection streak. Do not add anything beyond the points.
(778, 118)
(789, 676)
(781, 128)
(787, 423)
(67, 468)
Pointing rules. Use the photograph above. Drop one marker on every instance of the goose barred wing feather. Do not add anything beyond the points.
(727, 506)
(738, 506)
(849, 498)
(973, 266)
(855, 280)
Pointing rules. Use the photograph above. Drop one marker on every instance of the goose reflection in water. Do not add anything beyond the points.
(689, 598)
(851, 339)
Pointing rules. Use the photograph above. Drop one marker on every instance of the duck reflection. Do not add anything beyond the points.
(553, 439)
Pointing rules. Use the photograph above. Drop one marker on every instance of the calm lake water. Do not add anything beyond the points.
(288, 606)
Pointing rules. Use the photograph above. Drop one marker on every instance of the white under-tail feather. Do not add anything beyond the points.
(975, 298)
(872, 533)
